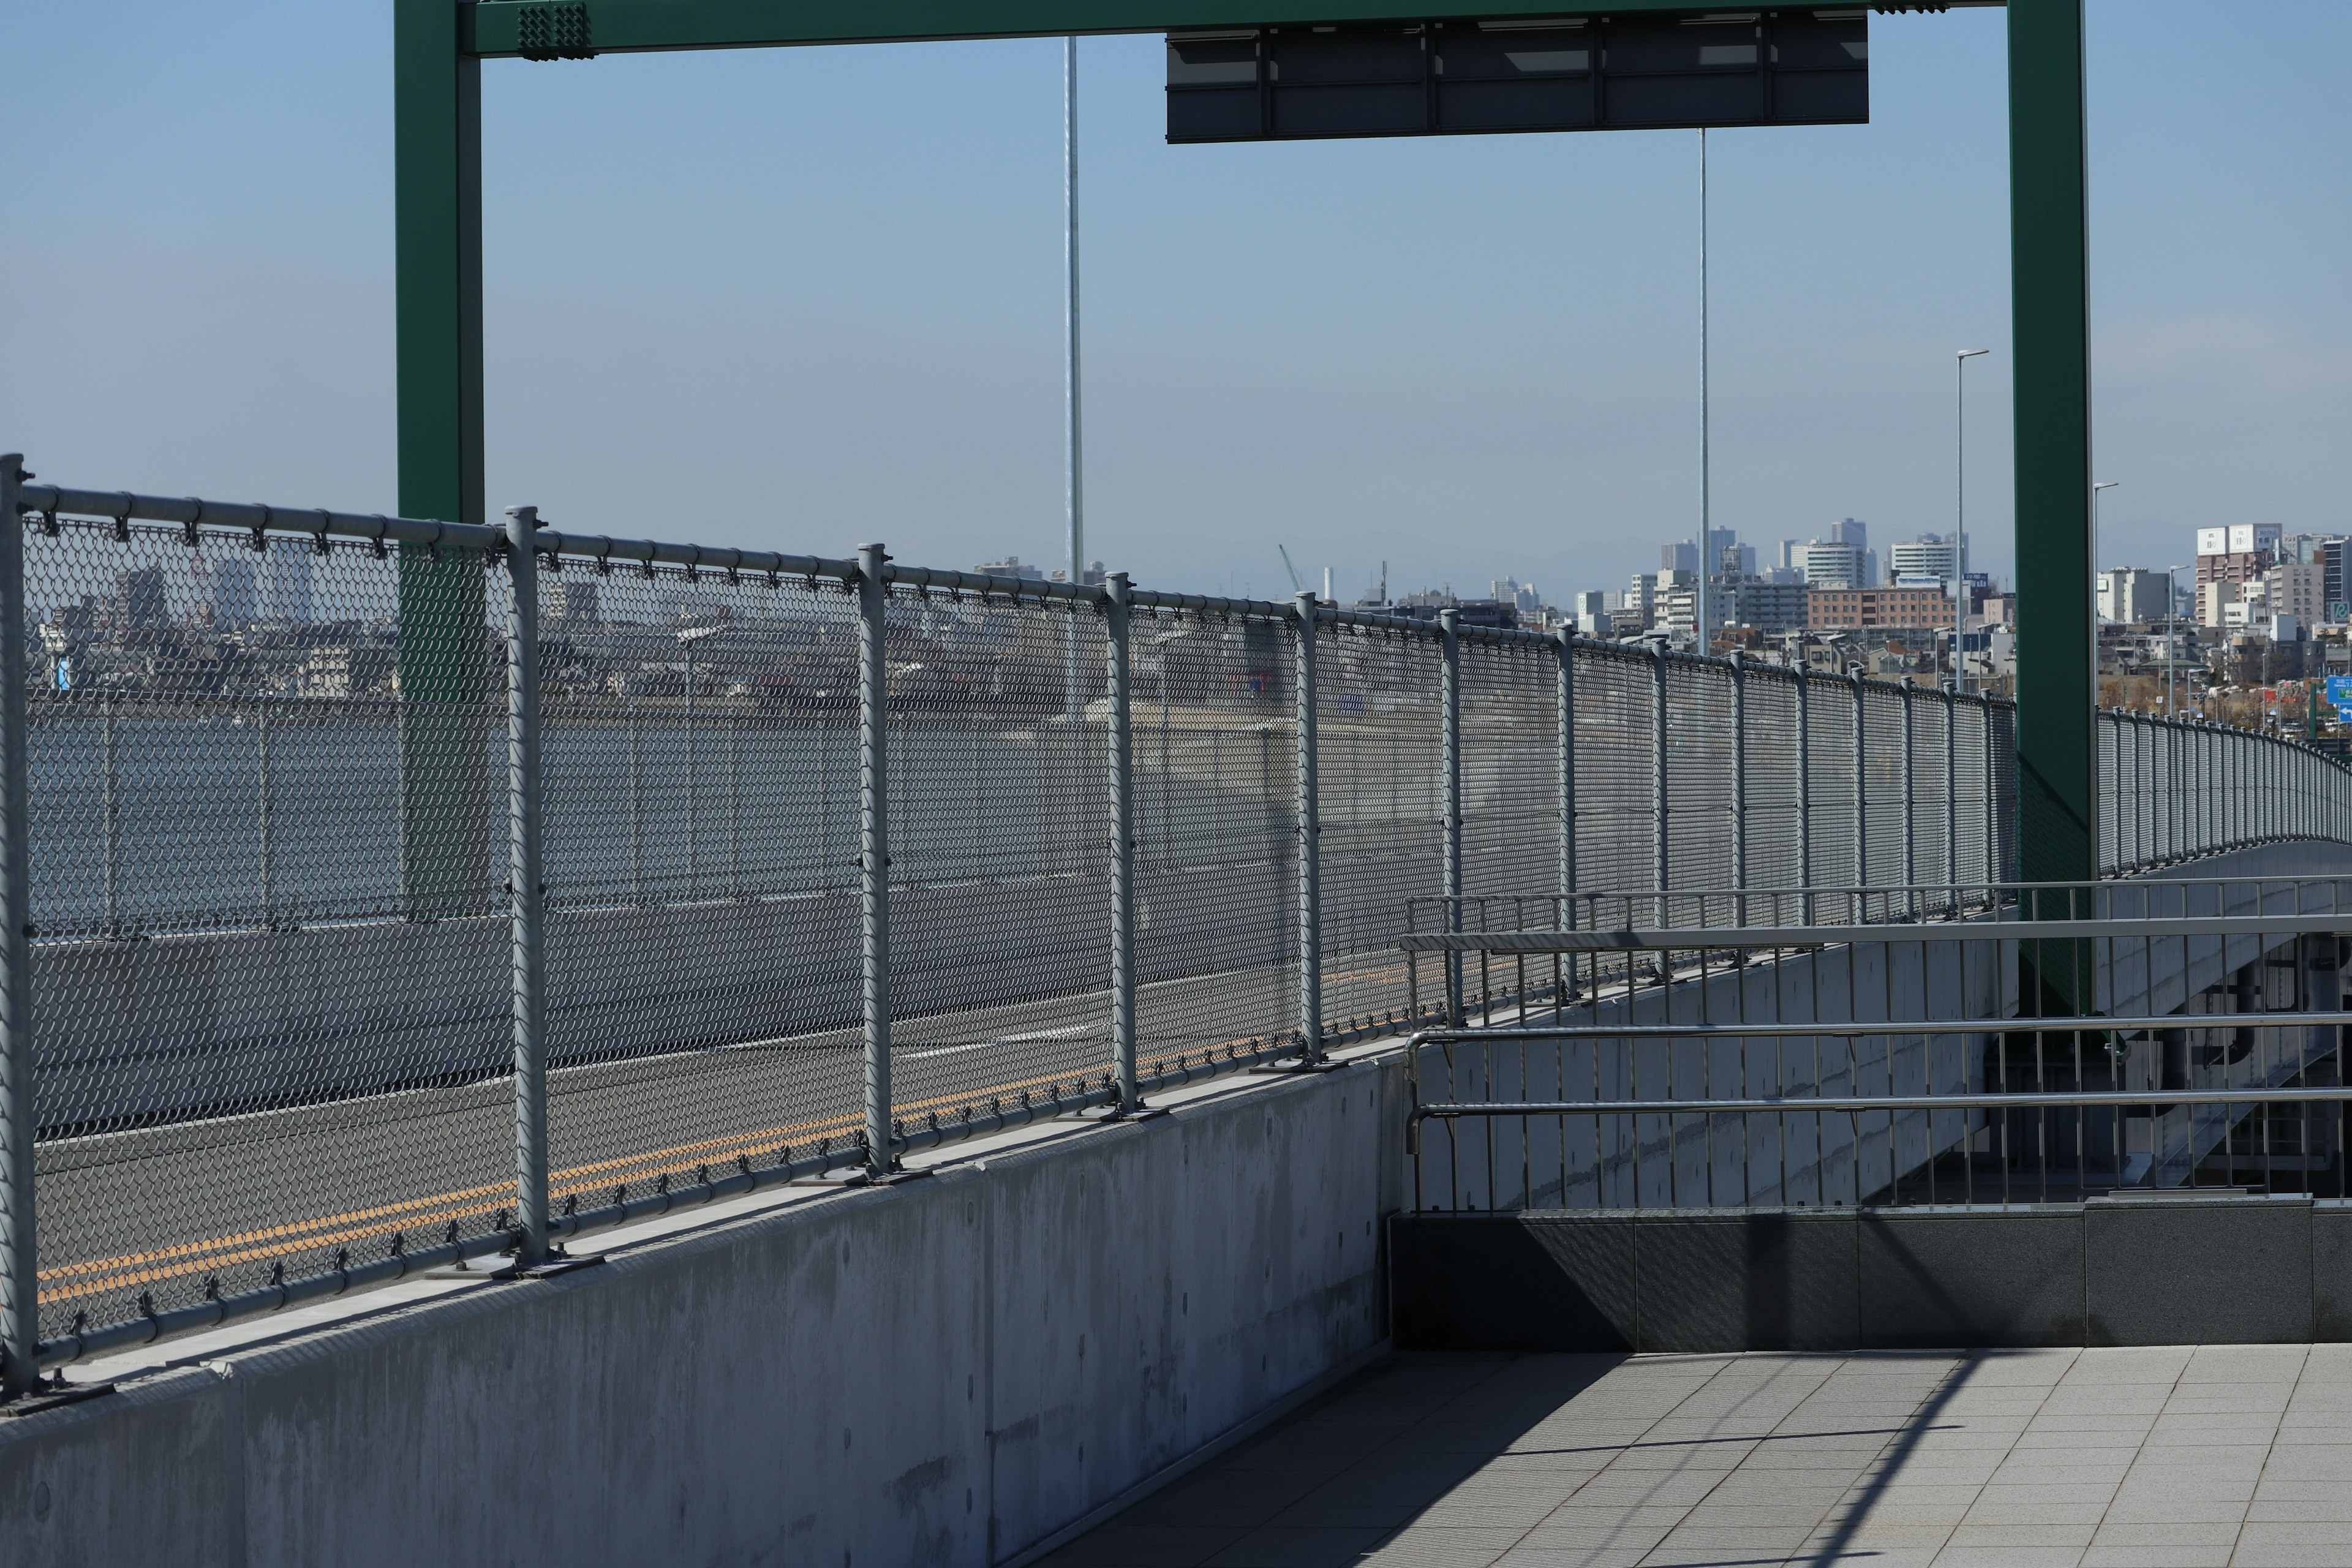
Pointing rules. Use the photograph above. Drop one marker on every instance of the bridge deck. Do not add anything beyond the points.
(2166, 1457)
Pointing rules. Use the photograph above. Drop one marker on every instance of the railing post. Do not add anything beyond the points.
(1805, 787)
(1739, 778)
(1661, 861)
(1952, 794)
(1995, 865)
(264, 782)
(1310, 851)
(1910, 796)
(526, 890)
(1449, 721)
(20, 1316)
(1566, 735)
(111, 809)
(1122, 847)
(873, 851)
(1861, 806)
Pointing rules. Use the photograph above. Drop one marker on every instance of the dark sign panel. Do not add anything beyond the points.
(1571, 73)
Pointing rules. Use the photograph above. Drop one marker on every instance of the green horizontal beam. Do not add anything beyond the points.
(492, 28)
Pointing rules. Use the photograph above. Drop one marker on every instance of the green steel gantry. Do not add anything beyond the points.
(438, 47)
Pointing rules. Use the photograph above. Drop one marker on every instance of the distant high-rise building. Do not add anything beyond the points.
(285, 581)
(1850, 530)
(143, 602)
(236, 598)
(1011, 566)
(1929, 555)
(1832, 565)
(1590, 607)
(2297, 588)
(2241, 539)
(2131, 595)
(569, 598)
(1769, 607)
(1682, 555)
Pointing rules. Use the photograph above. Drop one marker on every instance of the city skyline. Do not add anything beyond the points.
(810, 297)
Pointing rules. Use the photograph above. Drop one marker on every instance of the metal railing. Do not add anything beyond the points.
(2050, 1044)
(805, 863)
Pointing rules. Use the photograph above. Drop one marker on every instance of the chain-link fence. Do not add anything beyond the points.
(389, 895)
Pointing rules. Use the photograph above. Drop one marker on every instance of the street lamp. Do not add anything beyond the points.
(1960, 503)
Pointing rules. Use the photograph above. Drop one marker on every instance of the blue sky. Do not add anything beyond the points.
(809, 298)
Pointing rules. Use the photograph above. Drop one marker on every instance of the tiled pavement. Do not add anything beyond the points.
(2139, 1458)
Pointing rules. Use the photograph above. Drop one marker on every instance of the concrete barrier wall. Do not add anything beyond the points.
(944, 1371)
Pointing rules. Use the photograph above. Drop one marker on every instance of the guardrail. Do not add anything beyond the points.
(2001, 1057)
(383, 890)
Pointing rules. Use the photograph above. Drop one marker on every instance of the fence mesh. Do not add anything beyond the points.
(1616, 778)
(269, 799)
(1775, 792)
(699, 757)
(1214, 733)
(1379, 756)
(270, 988)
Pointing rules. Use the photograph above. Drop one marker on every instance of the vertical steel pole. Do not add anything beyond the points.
(2057, 666)
(1805, 788)
(1861, 787)
(1567, 739)
(1122, 847)
(1449, 718)
(1310, 846)
(874, 851)
(111, 804)
(268, 818)
(526, 889)
(1074, 447)
(1739, 776)
(1910, 797)
(734, 803)
(1952, 793)
(1660, 863)
(20, 1320)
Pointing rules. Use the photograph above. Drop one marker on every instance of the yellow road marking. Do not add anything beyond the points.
(97, 1277)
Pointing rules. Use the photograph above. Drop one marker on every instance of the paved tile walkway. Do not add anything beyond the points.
(2137, 1458)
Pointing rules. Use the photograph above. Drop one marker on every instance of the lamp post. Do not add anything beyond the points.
(1705, 488)
(1960, 513)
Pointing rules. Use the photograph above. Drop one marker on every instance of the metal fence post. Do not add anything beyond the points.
(1860, 808)
(111, 808)
(269, 816)
(1565, 727)
(1805, 788)
(874, 851)
(20, 1318)
(1122, 847)
(1952, 796)
(1910, 797)
(526, 890)
(1739, 778)
(1449, 720)
(1996, 863)
(1310, 851)
(1661, 861)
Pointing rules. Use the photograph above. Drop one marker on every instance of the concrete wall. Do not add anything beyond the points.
(943, 1371)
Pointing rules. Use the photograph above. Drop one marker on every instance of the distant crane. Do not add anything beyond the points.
(1295, 585)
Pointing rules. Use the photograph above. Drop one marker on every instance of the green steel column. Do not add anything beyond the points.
(2057, 761)
(443, 659)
